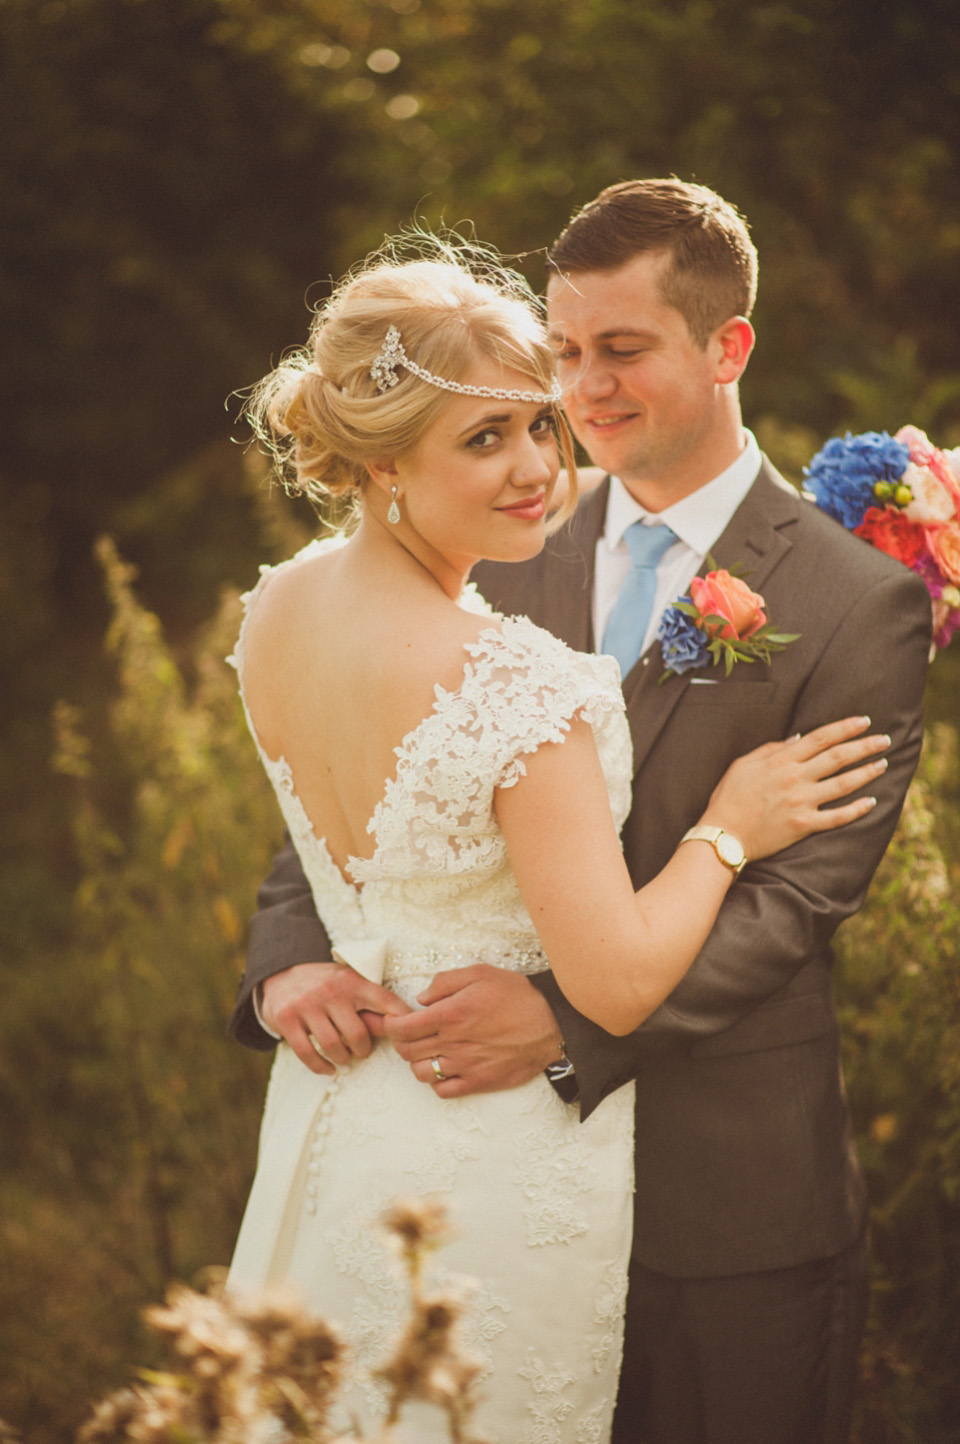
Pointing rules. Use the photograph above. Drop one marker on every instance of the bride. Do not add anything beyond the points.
(454, 782)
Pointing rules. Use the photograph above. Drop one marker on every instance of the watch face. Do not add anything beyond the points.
(730, 850)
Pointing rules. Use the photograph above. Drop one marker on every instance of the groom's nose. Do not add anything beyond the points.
(593, 379)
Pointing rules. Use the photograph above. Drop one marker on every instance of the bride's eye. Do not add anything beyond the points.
(544, 425)
(484, 439)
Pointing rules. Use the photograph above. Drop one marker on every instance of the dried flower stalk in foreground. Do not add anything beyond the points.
(429, 1362)
(266, 1371)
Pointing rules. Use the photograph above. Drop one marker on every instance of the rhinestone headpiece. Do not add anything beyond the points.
(391, 355)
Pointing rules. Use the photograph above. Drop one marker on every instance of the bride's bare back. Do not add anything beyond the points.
(338, 668)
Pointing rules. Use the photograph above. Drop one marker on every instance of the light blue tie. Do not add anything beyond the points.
(623, 637)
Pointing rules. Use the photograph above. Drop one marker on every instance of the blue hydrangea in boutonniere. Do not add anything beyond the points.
(683, 644)
(721, 620)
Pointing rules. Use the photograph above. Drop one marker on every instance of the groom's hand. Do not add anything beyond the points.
(489, 1029)
(325, 1005)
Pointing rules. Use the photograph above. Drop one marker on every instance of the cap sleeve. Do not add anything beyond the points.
(525, 687)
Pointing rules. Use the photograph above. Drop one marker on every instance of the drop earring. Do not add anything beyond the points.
(393, 511)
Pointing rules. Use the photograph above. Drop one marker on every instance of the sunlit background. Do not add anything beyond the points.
(179, 181)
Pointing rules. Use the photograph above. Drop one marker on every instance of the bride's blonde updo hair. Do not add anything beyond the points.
(320, 412)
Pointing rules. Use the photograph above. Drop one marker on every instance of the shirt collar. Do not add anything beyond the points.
(700, 518)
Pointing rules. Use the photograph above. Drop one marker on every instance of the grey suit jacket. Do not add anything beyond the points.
(745, 1158)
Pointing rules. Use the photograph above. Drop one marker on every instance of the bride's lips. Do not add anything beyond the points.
(530, 508)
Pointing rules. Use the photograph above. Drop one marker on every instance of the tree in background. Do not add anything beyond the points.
(179, 178)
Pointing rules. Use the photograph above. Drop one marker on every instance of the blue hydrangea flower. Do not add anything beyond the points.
(843, 474)
(683, 645)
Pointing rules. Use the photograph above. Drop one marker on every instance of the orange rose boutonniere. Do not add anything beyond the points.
(721, 620)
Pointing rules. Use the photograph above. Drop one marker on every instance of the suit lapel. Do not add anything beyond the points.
(758, 536)
(755, 540)
(567, 576)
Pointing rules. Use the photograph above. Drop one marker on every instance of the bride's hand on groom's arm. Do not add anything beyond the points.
(488, 1028)
(325, 1005)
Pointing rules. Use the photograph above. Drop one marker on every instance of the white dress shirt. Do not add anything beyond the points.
(698, 520)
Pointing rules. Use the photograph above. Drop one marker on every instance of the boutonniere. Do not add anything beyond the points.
(721, 619)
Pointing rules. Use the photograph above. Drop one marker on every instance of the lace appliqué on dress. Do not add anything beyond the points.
(521, 689)
(537, 1198)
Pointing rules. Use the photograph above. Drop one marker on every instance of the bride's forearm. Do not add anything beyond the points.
(641, 954)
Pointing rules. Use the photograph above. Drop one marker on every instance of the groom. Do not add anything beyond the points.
(748, 1281)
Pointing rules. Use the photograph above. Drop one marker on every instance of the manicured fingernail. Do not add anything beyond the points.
(882, 764)
(886, 740)
(872, 801)
(865, 721)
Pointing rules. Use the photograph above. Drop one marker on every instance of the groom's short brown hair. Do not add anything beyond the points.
(712, 270)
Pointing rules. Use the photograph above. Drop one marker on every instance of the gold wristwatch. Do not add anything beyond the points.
(729, 849)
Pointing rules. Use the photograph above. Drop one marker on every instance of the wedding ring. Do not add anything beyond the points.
(438, 1072)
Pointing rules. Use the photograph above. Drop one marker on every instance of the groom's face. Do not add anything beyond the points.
(642, 398)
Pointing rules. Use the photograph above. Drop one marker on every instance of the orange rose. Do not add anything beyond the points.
(720, 594)
(944, 543)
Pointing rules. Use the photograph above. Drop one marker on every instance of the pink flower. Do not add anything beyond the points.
(919, 445)
(944, 545)
(952, 459)
(932, 501)
(923, 454)
(946, 621)
(720, 594)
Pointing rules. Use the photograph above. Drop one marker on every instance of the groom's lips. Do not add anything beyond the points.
(530, 508)
(609, 422)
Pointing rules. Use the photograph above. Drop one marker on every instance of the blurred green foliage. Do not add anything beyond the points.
(899, 1011)
(130, 1120)
(180, 179)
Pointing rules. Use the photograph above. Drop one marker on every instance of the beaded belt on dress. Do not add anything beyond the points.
(517, 958)
(379, 959)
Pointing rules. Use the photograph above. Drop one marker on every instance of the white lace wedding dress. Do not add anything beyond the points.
(541, 1203)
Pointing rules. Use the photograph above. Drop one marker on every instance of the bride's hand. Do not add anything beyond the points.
(774, 796)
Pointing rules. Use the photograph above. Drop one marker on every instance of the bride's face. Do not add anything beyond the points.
(479, 482)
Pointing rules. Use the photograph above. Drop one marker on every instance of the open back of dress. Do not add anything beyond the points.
(539, 1201)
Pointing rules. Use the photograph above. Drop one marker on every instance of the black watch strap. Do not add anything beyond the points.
(563, 1077)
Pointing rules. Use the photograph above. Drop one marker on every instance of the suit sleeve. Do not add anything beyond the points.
(782, 913)
(284, 931)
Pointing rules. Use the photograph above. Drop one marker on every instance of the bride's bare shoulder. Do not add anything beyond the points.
(315, 612)
(291, 592)
(430, 642)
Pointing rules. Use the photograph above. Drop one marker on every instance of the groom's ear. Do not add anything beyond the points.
(734, 341)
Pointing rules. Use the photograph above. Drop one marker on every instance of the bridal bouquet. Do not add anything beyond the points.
(901, 494)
